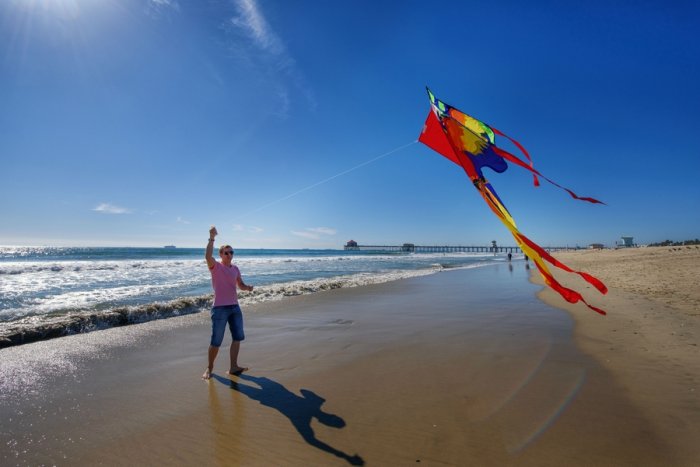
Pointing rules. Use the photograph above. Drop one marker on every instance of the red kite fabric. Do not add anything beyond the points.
(470, 143)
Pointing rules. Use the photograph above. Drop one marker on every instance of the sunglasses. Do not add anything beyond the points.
(228, 252)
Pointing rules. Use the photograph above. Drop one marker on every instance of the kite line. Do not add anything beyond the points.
(326, 180)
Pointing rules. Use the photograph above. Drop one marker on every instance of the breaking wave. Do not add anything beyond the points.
(74, 321)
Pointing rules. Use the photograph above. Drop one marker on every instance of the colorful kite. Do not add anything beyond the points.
(470, 143)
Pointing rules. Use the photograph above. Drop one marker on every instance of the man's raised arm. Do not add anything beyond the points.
(208, 255)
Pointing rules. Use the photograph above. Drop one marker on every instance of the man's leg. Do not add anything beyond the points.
(235, 322)
(213, 352)
(234, 368)
(218, 327)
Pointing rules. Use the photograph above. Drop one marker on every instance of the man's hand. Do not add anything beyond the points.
(212, 232)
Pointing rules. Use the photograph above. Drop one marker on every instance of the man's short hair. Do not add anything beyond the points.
(223, 247)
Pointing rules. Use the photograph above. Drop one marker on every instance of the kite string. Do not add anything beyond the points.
(314, 185)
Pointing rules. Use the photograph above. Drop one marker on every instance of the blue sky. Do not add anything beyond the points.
(142, 122)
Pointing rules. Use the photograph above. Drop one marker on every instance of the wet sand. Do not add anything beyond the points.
(463, 367)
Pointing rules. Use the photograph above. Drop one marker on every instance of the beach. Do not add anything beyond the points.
(649, 339)
(460, 367)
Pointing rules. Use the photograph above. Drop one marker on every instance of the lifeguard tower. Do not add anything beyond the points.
(627, 242)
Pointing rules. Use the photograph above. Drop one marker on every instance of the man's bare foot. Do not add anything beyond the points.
(207, 374)
(237, 370)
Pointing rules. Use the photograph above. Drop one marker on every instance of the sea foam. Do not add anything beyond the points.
(81, 320)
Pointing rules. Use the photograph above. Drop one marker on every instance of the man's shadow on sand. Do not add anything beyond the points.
(298, 409)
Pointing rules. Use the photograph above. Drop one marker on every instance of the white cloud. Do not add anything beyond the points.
(246, 228)
(111, 209)
(306, 234)
(314, 233)
(253, 23)
(160, 9)
(323, 230)
(271, 53)
(180, 220)
(166, 3)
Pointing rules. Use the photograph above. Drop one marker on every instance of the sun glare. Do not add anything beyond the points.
(65, 8)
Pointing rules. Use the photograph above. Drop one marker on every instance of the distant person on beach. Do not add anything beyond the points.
(225, 279)
(510, 256)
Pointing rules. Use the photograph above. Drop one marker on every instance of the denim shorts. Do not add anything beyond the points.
(220, 315)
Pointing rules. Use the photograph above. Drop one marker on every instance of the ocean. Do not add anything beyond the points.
(48, 292)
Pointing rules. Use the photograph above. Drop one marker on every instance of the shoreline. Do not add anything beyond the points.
(81, 321)
(464, 364)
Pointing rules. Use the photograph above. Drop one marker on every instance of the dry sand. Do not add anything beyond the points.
(649, 339)
(459, 368)
(669, 276)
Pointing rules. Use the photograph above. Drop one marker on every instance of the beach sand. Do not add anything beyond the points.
(463, 367)
(649, 339)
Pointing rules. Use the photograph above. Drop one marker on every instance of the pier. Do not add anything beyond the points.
(411, 248)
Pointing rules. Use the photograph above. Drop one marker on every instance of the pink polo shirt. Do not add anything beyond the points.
(224, 280)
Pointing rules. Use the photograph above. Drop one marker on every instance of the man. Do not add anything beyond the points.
(225, 279)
